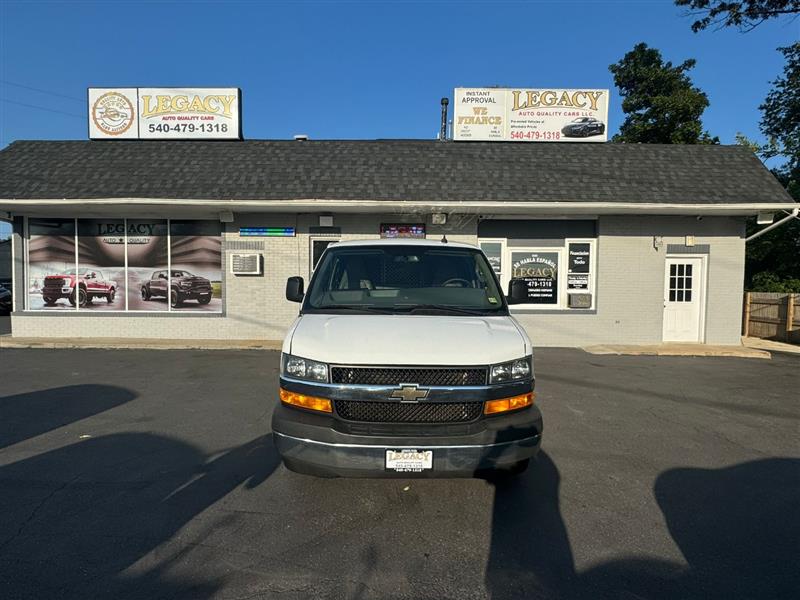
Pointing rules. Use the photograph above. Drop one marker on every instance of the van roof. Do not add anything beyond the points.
(437, 241)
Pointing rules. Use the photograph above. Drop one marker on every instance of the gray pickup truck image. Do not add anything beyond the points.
(180, 287)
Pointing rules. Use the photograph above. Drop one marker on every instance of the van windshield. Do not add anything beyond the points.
(404, 279)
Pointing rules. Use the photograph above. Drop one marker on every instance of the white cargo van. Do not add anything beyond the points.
(404, 360)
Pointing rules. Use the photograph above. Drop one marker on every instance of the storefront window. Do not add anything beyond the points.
(559, 270)
(148, 261)
(52, 264)
(124, 265)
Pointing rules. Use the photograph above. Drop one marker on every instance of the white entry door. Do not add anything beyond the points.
(684, 299)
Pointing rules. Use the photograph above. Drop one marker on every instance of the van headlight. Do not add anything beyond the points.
(513, 370)
(303, 368)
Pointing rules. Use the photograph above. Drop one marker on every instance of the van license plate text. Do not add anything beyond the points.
(409, 461)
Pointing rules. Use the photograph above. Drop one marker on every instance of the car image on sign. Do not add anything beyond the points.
(583, 127)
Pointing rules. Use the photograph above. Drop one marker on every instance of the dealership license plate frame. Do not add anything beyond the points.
(409, 460)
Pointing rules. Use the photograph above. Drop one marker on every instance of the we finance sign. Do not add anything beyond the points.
(165, 113)
(530, 115)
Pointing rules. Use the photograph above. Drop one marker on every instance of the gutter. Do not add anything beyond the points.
(466, 207)
(758, 234)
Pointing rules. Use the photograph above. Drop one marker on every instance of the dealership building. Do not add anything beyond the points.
(629, 244)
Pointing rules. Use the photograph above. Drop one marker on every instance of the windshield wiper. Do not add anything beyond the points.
(445, 307)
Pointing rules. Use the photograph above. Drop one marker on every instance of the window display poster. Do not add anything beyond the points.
(494, 253)
(579, 257)
(51, 264)
(148, 282)
(540, 272)
(101, 264)
(196, 266)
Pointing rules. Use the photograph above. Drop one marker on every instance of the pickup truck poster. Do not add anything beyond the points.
(51, 264)
(147, 265)
(540, 272)
(196, 263)
(530, 115)
(101, 264)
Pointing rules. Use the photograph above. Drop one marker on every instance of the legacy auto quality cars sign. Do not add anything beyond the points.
(530, 115)
(165, 113)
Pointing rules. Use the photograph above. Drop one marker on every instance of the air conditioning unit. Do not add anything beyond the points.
(246, 264)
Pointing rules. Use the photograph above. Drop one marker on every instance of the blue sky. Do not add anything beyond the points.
(358, 69)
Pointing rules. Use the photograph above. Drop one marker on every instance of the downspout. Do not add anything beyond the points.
(757, 234)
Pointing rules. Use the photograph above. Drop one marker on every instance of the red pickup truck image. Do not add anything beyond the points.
(89, 283)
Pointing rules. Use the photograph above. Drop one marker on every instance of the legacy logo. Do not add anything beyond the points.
(113, 113)
(549, 98)
(214, 104)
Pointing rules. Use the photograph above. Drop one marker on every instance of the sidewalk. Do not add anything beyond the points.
(679, 350)
(6, 341)
(758, 343)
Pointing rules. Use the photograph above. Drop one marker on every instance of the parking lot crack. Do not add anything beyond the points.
(35, 511)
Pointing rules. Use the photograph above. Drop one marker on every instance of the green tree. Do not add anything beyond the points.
(744, 14)
(661, 104)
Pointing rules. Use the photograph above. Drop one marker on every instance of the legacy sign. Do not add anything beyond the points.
(530, 115)
(165, 113)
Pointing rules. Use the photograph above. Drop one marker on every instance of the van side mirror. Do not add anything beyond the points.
(517, 291)
(294, 289)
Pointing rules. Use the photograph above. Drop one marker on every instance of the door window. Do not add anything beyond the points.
(680, 283)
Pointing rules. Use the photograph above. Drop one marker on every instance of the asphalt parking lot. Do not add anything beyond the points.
(151, 474)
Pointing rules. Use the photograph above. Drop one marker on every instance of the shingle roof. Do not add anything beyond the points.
(386, 170)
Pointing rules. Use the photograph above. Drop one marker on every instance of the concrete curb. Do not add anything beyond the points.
(678, 350)
(7, 341)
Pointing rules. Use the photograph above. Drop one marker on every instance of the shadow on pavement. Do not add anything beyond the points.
(737, 527)
(77, 519)
(24, 416)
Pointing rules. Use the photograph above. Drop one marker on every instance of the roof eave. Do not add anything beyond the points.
(313, 205)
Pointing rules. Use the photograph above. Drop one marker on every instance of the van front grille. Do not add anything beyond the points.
(425, 376)
(399, 412)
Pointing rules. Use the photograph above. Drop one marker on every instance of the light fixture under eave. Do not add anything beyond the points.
(226, 216)
(439, 218)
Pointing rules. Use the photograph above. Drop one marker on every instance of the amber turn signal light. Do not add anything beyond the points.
(303, 401)
(492, 407)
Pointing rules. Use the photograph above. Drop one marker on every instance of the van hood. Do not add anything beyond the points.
(407, 339)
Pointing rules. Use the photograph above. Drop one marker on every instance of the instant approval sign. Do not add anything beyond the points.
(530, 115)
(165, 113)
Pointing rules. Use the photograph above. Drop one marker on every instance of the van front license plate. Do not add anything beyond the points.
(409, 461)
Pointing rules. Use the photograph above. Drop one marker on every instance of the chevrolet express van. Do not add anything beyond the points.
(404, 360)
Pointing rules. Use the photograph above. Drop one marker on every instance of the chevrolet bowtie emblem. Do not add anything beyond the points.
(409, 392)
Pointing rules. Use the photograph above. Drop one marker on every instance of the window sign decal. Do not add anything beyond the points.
(196, 266)
(124, 265)
(147, 265)
(101, 264)
(51, 264)
(540, 271)
(579, 266)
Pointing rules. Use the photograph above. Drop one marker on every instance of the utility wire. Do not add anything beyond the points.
(52, 110)
(41, 91)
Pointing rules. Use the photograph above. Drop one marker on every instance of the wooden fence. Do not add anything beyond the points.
(772, 316)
